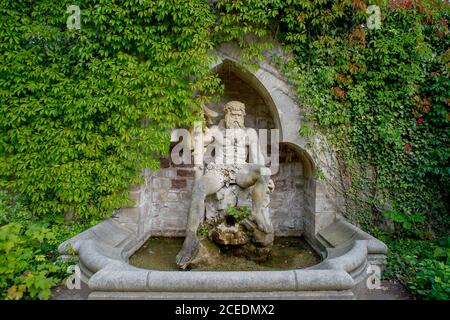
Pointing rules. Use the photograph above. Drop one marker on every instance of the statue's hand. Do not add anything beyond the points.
(213, 134)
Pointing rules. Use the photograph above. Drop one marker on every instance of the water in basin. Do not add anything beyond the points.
(158, 253)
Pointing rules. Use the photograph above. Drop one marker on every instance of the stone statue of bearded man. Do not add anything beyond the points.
(229, 167)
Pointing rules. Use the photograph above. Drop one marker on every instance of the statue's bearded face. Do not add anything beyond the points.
(234, 119)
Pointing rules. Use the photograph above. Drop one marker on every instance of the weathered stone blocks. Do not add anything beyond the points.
(178, 183)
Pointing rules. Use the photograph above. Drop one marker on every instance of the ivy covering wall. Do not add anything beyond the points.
(83, 111)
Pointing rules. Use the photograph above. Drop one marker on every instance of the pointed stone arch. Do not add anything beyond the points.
(284, 110)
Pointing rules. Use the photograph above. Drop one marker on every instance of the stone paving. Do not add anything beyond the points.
(392, 290)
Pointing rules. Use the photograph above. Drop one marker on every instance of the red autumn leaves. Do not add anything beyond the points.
(406, 4)
(407, 148)
(440, 26)
(358, 36)
(339, 92)
(343, 80)
(424, 106)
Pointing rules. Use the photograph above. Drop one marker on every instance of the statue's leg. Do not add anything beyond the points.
(250, 175)
(208, 184)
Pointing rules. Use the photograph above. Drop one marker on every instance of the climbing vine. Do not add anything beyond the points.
(83, 111)
(370, 95)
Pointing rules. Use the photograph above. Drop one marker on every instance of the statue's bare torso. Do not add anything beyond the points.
(229, 167)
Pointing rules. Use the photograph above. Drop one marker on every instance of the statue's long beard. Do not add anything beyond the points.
(234, 125)
(237, 125)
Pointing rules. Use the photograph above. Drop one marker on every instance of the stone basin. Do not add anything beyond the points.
(346, 251)
(286, 253)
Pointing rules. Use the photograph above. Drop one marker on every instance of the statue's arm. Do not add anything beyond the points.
(211, 135)
(256, 155)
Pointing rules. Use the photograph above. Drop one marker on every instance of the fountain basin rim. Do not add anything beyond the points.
(104, 250)
(117, 275)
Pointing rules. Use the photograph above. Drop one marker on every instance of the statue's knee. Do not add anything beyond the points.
(199, 190)
(264, 176)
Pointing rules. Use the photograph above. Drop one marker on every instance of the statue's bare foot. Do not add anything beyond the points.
(263, 224)
(187, 252)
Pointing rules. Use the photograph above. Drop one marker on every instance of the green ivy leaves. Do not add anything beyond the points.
(23, 270)
(85, 110)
